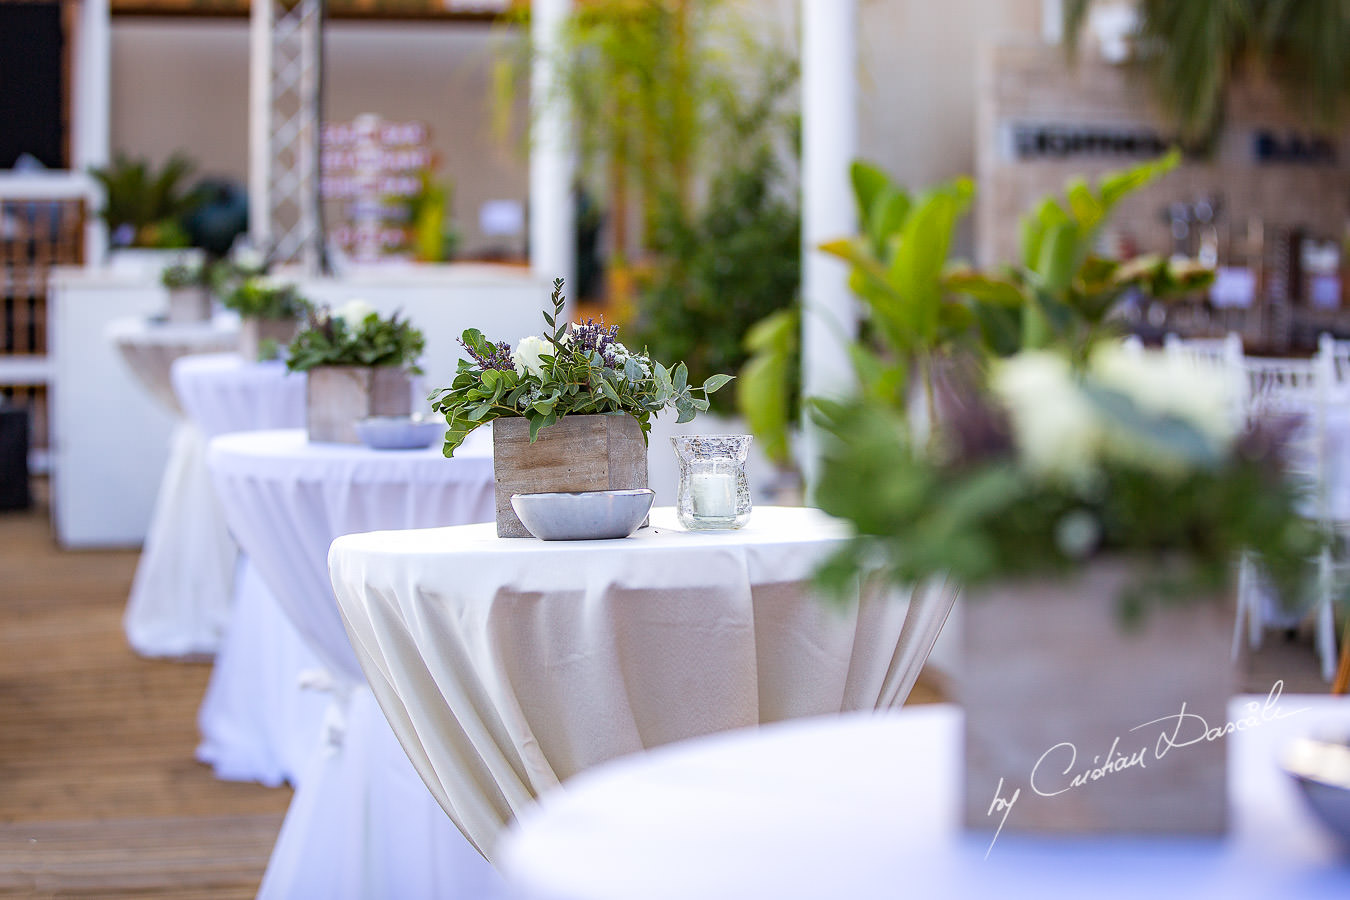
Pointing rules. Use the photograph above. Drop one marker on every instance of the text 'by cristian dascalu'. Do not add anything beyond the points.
(1058, 771)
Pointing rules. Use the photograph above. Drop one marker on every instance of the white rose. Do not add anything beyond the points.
(1054, 425)
(1204, 396)
(354, 312)
(527, 355)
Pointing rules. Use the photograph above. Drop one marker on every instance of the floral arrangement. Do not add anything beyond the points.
(231, 271)
(263, 297)
(576, 369)
(1045, 466)
(354, 335)
(185, 274)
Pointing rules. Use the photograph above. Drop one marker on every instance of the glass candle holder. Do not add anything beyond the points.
(714, 493)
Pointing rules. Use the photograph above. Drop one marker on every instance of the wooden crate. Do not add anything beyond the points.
(337, 397)
(1052, 680)
(579, 453)
(254, 333)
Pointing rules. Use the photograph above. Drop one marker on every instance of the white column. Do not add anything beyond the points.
(89, 144)
(552, 212)
(1052, 21)
(829, 145)
(260, 124)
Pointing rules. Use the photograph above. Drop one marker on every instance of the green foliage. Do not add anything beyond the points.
(262, 298)
(1191, 51)
(185, 275)
(897, 262)
(975, 513)
(767, 391)
(329, 340)
(146, 206)
(228, 273)
(434, 238)
(658, 93)
(714, 278)
(579, 370)
(1062, 292)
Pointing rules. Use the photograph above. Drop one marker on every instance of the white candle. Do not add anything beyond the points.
(714, 494)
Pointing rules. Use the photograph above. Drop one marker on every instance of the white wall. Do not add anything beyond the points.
(917, 72)
(184, 84)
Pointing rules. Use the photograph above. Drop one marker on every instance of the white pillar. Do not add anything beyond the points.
(1052, 21)
(260, 124)
(89, 144)
(552, 209)
(829, 145)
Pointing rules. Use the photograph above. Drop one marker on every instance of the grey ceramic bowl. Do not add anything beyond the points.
(1321, 768)
(400, 432)
(583, 516)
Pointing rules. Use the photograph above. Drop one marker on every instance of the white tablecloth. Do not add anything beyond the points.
(508, 665)
(361, 823)
(256, 722)
(867, 808)
(224, 393)
(180, 597)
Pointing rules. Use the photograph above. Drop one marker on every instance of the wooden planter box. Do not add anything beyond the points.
(1048, 664)
(337, 397)
(189, 304)
(579, 453)
(253, 333)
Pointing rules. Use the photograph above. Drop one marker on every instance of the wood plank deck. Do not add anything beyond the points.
(100, 795)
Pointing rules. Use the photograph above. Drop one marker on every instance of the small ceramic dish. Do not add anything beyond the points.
(584, 515)
(400, 432)
(1321, 768)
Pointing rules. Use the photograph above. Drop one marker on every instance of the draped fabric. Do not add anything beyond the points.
(180, 597)
(508, 665)
(361, 823)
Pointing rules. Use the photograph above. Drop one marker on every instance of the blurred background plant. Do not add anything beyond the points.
(998, 428)
(1192, 51)
(923, 310)
(261, 297)
(713, 277)
(145, 206)
(688, 140)
(1063, 291)
(435, 237)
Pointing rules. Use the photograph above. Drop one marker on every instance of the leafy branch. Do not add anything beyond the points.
(578, 369)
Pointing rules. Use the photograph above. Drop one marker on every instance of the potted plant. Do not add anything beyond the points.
(571, 410)
(189, 289)
(1092, 501)
(144, 206)
(358, 363)
(1094, 517)
(270, 311)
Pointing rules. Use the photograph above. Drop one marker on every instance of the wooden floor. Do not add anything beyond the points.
(100, 795)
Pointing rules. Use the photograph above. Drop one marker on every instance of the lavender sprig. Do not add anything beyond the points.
(498, 356)
(590, 335)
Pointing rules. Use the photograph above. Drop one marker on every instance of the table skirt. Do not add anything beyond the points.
(257, 721)
(180, 596)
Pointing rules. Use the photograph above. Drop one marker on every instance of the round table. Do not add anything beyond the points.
(867, 807)
(256, 722)
(224, 393)
(507, 666)
(180, 596)
(361, 823)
